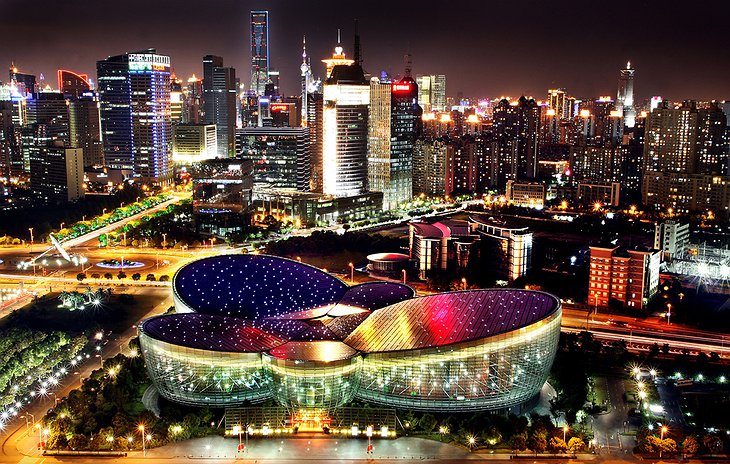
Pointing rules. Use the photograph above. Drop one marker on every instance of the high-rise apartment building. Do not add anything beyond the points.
(346, 96)
(219, 102)
(558, 103)
(259, 51)
(628, 276)
(625, 98)
(672, 238)
(516, 130)
(429, 167)
(279, 156)
(134, 95)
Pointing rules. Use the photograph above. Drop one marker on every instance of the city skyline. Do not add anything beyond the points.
(677, 63)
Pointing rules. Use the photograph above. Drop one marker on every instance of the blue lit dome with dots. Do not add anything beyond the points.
(248, 328)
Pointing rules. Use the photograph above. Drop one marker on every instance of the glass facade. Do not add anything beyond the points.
(202, 377)
(490, 374)
(287, 331)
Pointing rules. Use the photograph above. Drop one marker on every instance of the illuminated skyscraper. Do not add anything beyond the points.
(259, 50)
(625, 100)
(177, 101)
(134, 93)
(558, 103)
(516, 128)
(345, 129)
(194, 101)
(432, 94)
(24, 83)
(392, 131)
(219, 103)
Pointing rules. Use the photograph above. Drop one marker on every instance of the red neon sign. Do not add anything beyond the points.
(401, 88)
(279, 107)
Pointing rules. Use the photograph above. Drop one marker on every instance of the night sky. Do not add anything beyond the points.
(486, 48)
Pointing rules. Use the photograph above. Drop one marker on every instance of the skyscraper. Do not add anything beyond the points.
(516, 128)
(280, 156)
(558, 103)
(259, 50)
(432, 95)
(392, 131)
(24, 83)
(625, 99)
(219, 102)
(72, 84)
(345, 130)
(85, 129)
(134, 94)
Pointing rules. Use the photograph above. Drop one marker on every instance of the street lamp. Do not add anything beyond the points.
(141, 431)
(62, 224)
(369, 433)
(664, 430)
(352, 272)
(405, 274)
(164, 240)
(669, 313)
(31, 239)
(565, 432)
(463, 283)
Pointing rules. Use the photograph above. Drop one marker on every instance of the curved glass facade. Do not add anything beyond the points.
(306, 384)
(490, 374)
(469, 350)
(201, 377)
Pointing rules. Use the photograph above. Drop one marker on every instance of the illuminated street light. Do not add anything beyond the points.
(140, 427)
(565, 432)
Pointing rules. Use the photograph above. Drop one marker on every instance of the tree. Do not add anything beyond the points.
(121, 275)
(690, 446)
(518, 442)
(78, 442)
(576, 445)
(136, 276)
(492, 436)
(537, 443)
(80, 276)
(150, 278)
(96, 275)
(108, 276)
(164, 278)
(427, 422)
(557, 445)
(713, 443)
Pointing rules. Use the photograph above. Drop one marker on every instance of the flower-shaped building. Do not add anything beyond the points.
(252, 327)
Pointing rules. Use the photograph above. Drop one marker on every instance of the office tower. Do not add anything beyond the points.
(284, 114)
(24, 83)
(219, 102)
(193, 143)
(85, 129)
(194, 101)
(134, 93)
(432, 94)
(625, 98)
(525, 194)
(280, 156)
(259, 51)
(558, 103)
(628, 276)
(72, 84)
(222, 196)
(687, 140)
(429, 167)
(315, 119)
(392, 130)
(177, 101)
(47, 114)
(345, 130)
(57, 173)
(516, 130)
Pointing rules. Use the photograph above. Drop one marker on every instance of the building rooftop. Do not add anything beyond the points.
(449, 318)
(442, 229)
(324, 351)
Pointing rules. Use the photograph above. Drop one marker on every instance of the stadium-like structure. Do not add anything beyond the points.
(252, 327)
